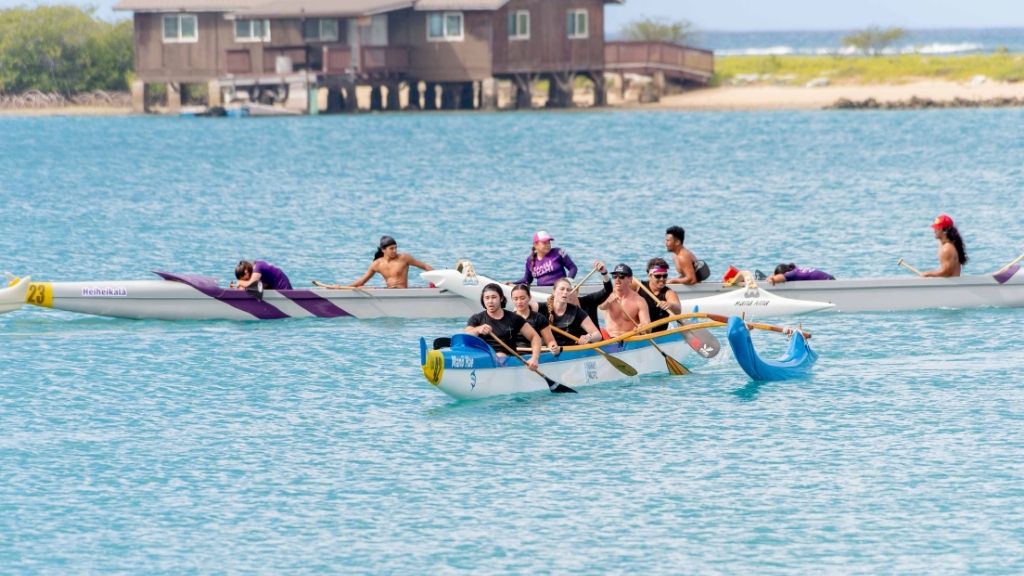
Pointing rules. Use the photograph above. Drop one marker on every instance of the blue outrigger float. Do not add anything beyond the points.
(795, 363)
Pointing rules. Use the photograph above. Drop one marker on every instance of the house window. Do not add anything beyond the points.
(444, 26)
(180, 28)
(576, 24)
(519, 25)
(252, 30)
(319, 29)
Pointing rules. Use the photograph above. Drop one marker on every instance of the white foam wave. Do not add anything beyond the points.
(937, 48)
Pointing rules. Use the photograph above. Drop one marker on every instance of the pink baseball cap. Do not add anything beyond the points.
(542, 236)
(942, 222)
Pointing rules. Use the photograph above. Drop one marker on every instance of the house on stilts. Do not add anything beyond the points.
(345, 55)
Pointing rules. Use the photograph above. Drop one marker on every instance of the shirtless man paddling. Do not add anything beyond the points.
(391, 264)
(952, 254)
(624, 310)
(684, 260)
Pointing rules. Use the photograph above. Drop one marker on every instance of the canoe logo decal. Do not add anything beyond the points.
(472, 379)
(462, 361)
(105, 292)
(591, 367)
(433, 368)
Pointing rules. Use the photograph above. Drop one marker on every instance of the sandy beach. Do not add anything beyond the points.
(753, 97)
(803, 98)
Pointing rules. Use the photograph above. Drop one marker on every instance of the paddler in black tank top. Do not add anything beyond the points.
(668, 303)
(497, 321)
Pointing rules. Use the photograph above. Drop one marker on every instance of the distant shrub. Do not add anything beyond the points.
(658, 30)
(873, 40)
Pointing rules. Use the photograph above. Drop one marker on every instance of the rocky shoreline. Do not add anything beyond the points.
(918, 103)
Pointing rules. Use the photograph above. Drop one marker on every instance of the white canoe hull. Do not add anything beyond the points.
(746, 302)
(469, 382)
(13, 296)
(890, 294)
(173, 300)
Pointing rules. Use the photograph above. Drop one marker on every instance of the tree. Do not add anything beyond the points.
(873, 40)
(658, 30)
(62, 49)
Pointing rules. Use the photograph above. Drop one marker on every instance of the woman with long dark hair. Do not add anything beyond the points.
(952, 254)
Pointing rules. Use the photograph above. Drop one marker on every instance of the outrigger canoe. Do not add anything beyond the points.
(795, 363)
(751, 301)
(193, 297)
(469, 369)
(13, 295)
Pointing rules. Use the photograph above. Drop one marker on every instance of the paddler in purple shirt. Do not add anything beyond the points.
(546, 264)
(792, 273)
(249, 273)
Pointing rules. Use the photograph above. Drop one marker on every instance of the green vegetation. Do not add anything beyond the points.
(873, 40)
(63, 49)
(798, 70)
(658, 30)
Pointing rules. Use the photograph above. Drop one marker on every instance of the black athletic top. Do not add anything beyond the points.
(652, 306)
(537, 321)
(507, 328)
(571, 322)
(590, 302)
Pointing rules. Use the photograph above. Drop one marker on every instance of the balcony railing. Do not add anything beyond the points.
(672, 59)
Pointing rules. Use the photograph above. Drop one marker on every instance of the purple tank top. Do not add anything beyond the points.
(807, 274)
(273, 278)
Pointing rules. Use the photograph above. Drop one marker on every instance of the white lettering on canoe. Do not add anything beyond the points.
(105, 292)
(750, 303)
(462, 361)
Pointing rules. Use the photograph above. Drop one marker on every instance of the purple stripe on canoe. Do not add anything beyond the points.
(314, 303)
(237, 298)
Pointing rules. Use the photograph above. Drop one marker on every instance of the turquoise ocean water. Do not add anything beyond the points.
(303, 446)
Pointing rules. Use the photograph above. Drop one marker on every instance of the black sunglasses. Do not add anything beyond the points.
(619, 276)
(659, 276)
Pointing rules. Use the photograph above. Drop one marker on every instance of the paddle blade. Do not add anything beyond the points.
(1005, 275)
(675, 368)
(621, 366)
(703, 342)
(557, 388)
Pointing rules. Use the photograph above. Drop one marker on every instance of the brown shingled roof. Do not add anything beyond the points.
(318, 8)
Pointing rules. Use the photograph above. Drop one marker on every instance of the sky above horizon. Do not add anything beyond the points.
(762, 15)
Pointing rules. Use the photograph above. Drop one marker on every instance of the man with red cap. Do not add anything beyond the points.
(952, 254)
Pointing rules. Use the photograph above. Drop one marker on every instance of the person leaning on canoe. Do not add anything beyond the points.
(793, 273)
(952, 254)
(498, 322)
(390, 264)
(568, 317)
(657, 282)
(546, 264)
(539, 322)
(249, 273)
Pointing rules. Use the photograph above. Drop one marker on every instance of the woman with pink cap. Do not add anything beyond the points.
(546, 264)
(952, 254)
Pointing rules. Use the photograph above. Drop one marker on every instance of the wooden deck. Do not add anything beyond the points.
(678, 63)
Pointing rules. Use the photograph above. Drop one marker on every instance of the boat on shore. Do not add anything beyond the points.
(13, 296)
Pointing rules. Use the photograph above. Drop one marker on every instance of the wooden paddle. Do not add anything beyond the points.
(902, 262)
(585, 278)
(620, 364)
(339, 287)
(553, 386)
(702, 341)
(674, 366)
(1007, 272)
(770, 327)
